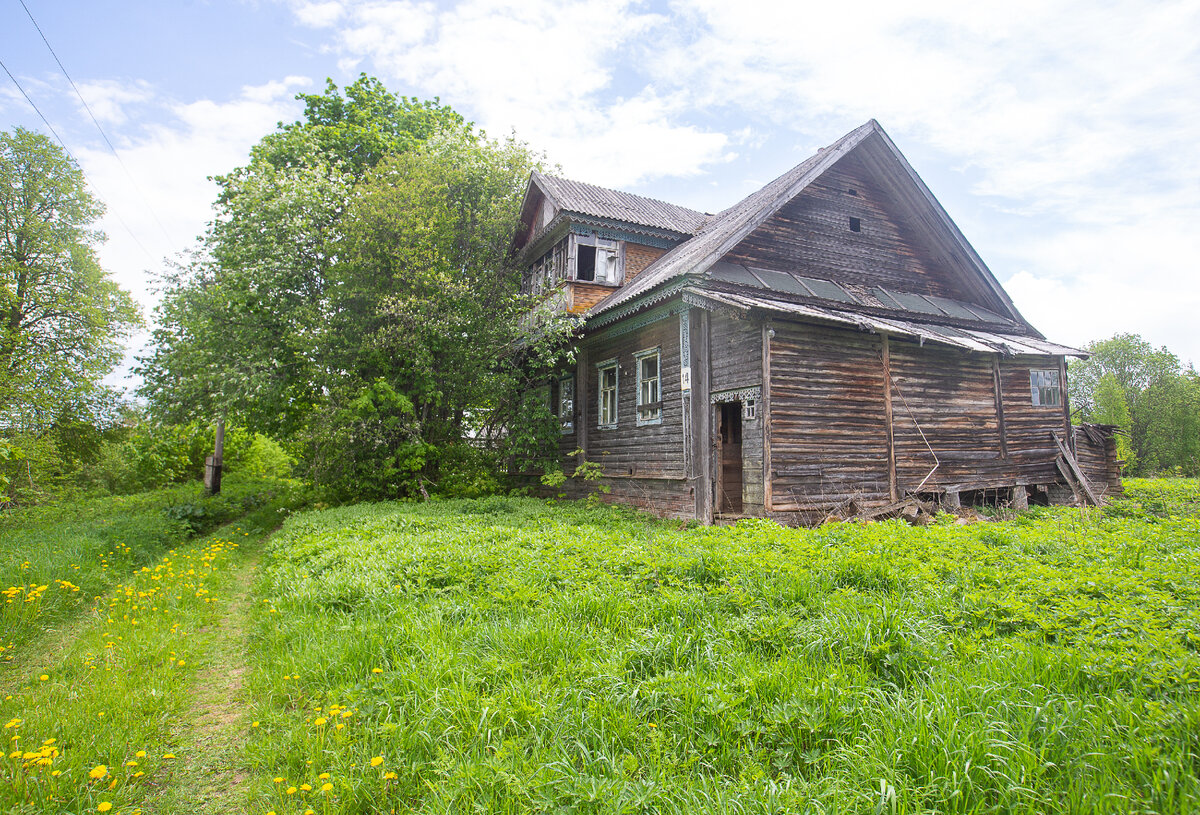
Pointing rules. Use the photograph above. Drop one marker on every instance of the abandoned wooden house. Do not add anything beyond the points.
(831, 343)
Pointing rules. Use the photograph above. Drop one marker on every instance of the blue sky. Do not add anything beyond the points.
(1062, 137)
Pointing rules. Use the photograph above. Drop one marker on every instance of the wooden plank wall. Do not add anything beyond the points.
(645, 464)
(811, 235)
(1099, 463)
(948, 396)
(828, 428)
(1027, 427)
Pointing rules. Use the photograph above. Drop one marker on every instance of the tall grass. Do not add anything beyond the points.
(507, 655)
(55, 559)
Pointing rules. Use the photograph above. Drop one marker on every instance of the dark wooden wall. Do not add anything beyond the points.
(736, 354)
(644, 464)
(949, 396)
(1098, 460)
(811, 235)
(828, 432)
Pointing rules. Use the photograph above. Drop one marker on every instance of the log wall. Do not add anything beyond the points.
(736, 354)
(828, 427)
(811, 235)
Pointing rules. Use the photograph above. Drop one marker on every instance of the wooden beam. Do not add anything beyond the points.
(702, 438)
(893, 486)
(1062, 392)
(767, 334)
(999, 390)
(1073, 465)
(582, 402)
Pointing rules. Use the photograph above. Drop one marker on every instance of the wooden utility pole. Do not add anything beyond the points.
(212, 465)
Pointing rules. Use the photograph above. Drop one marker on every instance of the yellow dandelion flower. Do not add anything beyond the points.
(389, 775)
(326, 787)
(375, 762)
(104, 806)
(377, 670)
(140, 754)
(291, 790)
(168, 755)
(278, 779)
(306, 787)
(323, 776)
(254, 724)
(320, 720)
(99, 771)
(43, 677)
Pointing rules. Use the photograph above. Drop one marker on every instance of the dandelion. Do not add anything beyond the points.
(168, 755)
(389, 776)
(323, 776)
(254, 724)
(97, 772)
(291, 790)
(104, 806)
(306, 787)
(320, 720)
(44, 677)
(326, 787)
(377, 670)
(140, 754)
(375, 762)
(278, 779)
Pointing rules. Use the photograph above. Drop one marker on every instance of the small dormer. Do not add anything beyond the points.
(579, 242)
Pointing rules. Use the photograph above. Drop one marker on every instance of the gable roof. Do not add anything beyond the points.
(726, 230)
(600, 202)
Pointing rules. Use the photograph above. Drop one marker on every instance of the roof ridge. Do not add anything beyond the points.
(624, 192)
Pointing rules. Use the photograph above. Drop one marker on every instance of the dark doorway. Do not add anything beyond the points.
(729, 459)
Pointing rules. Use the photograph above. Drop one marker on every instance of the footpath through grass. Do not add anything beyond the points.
(57, 559)
(510, 656)
(99, 725)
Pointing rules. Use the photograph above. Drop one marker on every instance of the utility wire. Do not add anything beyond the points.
(71, 156)
(103, 135)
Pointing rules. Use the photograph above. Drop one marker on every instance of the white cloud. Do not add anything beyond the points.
(318, 15)
(109, 100)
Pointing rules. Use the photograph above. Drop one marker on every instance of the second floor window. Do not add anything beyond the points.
(597, 260)
(649, 387)
(606, 415)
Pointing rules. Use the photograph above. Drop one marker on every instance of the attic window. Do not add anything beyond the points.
(596, 260)
(855, 225)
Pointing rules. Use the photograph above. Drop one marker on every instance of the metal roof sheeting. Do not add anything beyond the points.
(599, 202)
(989, 342)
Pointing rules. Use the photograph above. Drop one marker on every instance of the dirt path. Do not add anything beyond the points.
(214, 730)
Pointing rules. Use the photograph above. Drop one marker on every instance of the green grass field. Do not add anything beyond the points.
(512, 655)
(507, 655)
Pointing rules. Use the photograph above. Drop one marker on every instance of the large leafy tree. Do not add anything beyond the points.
(351, 292)
(62, 318)
(1146, 392)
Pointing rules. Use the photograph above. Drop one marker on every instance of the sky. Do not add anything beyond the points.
(1062, 137)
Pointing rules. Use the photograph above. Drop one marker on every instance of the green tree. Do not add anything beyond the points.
(61, 317)
(1160, 398)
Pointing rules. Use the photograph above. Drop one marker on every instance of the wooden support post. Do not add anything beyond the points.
(951, 499)
(583, 401)
(1068, 434)
(1020, 497)
(999, 389)
(212, 465)
(893, 486)
(702, 447)
(767, 334)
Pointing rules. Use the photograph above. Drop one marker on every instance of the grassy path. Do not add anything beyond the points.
(136, 706)
(213, 732)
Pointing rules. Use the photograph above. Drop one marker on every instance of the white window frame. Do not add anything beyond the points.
(610, 260)
(648, 416)
(566, 404)
(603, 419)
(1045, 380)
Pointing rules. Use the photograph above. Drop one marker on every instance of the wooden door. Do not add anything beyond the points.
(729, 459)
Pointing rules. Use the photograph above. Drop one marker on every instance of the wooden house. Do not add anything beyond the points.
(830, 343)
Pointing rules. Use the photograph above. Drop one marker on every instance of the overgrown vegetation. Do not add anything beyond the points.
(505, 655)
(56, 559)
(1148, 394)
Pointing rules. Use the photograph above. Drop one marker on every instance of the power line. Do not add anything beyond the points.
(96, 122)
(71, 156)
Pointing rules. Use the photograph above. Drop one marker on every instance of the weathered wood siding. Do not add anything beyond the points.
(946, 425)
(811, 235)
(644, 464)
(828, 428)
(1028, 427)
(1098, 460)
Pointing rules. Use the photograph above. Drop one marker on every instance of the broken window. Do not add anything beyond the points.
(1044, 387)
(597, 260)
(606, 414)
(566, 404)
(649, 387)
(750, 410)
